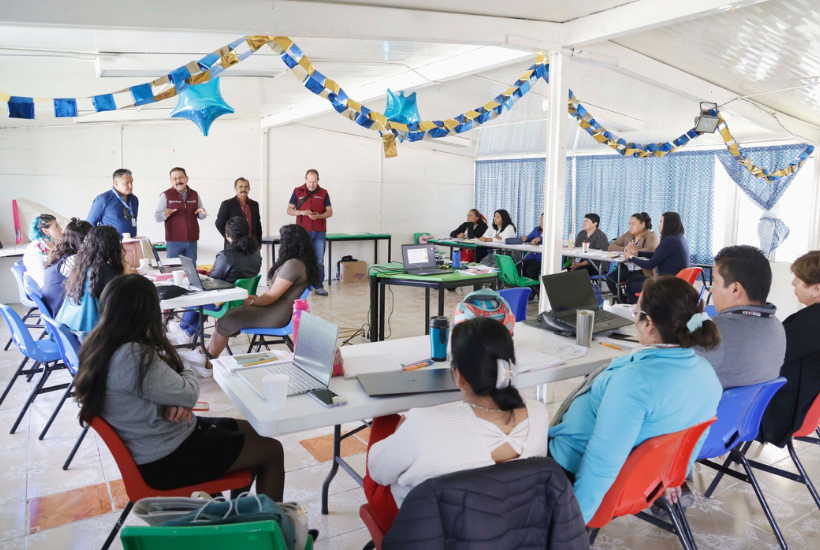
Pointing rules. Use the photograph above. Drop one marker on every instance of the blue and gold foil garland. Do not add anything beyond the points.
(211, 65)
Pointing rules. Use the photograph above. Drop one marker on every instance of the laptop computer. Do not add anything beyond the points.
(163, 268)
(419, 259)
(196, 281)
(312, 364)
(571, 291)
(429, 380)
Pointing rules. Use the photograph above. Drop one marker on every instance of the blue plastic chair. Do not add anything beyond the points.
(517, 298)
(42, 352)
(19, 270)
(282, 333)
(738, 422)
(69, 352)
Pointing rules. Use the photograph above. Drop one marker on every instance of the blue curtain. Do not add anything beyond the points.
(615, 187)
(771, 229)
(515, 185)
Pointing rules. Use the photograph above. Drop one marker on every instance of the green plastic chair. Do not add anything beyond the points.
(248, 284)
(417, 236)
(255, 535)
(509, 274)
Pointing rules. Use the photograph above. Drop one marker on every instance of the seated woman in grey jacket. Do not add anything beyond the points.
(241, 260)
(132, 377)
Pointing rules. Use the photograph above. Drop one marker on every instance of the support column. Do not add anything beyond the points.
(264, 208)
(555, 181)
(814, 226)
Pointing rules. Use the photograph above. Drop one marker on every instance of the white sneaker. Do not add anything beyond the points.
(178, 336)
(196, 361)
(202, 372)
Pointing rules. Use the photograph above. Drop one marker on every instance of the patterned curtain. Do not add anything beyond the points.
(771, 229)
(515, 185)
(615, 187)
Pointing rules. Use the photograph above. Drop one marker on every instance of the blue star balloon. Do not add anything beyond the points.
(401, 109)
(202, 104)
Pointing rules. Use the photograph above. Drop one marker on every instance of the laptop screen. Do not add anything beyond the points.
(569, 291)
(417, 256)
(316, 347)
(190, 271)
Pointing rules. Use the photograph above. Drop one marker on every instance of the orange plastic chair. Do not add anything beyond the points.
(654, 466)
(376, 533)
(135, 486)
(690, 274)
(810, 426)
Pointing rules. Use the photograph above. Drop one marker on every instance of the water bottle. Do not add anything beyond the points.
(456, 258)
(439, 335)
(298, 307)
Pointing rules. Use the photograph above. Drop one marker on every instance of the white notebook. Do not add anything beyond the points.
(366, 364)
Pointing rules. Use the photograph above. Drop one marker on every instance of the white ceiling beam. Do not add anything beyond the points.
(458, 66)
(282, 18)
(133, 65)
(691, 87)
(640, 16)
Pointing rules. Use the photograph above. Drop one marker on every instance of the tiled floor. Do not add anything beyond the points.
(40, 503)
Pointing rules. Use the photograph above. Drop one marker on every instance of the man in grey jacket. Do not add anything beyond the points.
(753, 342)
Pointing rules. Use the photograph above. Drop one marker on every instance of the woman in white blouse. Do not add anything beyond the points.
(44, 233)
(492, 424)
(503, 227)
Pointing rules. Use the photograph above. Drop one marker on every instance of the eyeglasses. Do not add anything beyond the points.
(633, 309)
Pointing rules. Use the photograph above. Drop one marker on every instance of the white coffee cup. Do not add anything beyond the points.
(126, 236)
(178, 277)
(144, 262)
(276, 391)
(586, 248)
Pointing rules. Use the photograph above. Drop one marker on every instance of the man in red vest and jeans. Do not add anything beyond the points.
(311, 206)
(180, 208)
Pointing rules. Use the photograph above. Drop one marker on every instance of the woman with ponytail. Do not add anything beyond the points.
(240, 260)
(661, 387)
(492, 424)
(44, 234)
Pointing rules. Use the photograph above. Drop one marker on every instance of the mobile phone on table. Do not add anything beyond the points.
(327, 398)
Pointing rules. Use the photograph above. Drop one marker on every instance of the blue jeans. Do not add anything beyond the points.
(190, 319)
(318, 238)
(177, 249)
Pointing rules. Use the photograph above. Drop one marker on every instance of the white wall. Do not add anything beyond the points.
(65, 168)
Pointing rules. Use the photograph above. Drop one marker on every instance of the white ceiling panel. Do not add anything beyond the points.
(760, 48)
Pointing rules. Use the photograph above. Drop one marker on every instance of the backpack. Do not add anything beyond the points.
(485, 303)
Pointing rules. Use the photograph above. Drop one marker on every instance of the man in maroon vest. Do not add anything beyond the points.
(311, 206)
(180, 208)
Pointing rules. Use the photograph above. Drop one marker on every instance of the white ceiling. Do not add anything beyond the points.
(762, 47)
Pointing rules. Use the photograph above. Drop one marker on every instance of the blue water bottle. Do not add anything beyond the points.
(439, 335)
(456, 258)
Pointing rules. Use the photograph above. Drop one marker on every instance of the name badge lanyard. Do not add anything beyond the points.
(126, 212)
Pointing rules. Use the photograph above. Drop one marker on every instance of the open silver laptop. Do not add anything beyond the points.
(312, 364)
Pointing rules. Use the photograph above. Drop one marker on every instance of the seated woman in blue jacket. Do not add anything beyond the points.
(532, 261)
(660, 388)
(671, 255)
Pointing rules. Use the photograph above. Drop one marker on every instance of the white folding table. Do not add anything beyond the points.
(199, 299)
(304, 413)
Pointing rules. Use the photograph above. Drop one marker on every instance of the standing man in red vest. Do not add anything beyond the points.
(311, 206)
(180, 208)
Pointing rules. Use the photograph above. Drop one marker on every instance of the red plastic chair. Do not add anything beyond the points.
(690, 274)
(135, 486)
(376, 533)
(810, 426)
(654, 466)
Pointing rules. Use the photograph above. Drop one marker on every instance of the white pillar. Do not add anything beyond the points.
(814, 226)
(264, 209)
(555, 182)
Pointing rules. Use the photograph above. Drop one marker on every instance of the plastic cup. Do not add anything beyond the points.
(586, 248)
(179, 276)
(276, 391)
(144, 263)
(126, 236)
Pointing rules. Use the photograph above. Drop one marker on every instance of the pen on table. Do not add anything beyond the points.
(417, 365)
(612, 346)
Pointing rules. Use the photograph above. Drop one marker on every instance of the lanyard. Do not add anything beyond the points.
(127, 211)
(749, 312)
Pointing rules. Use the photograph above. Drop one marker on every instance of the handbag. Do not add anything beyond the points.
(82, 317)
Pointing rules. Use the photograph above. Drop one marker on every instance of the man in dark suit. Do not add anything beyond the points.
(240, 205)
